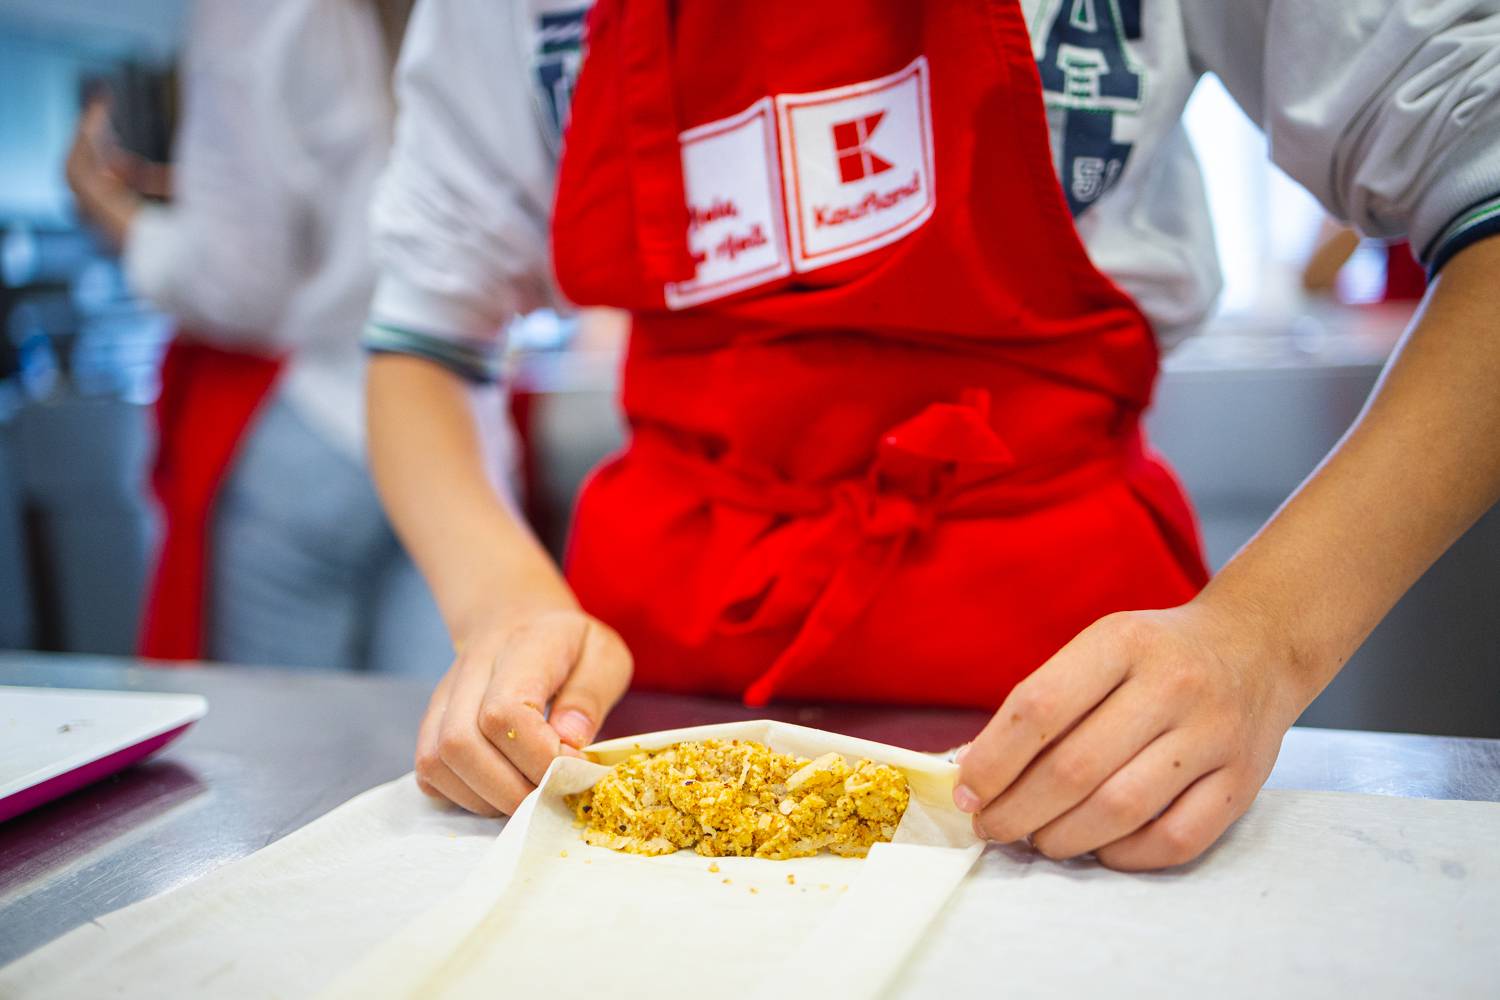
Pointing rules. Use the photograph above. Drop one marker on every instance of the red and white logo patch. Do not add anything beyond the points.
(853, 173)
(735, 229)
(857, 165)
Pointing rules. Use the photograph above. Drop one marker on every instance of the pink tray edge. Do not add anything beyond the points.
(29, 798)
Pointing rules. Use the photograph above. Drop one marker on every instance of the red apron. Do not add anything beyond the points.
(208, 398)
(885, 412)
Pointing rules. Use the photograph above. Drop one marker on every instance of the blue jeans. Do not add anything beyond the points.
(304, 568)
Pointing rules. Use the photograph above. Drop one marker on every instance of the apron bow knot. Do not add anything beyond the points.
(921, 466)
(884, 515)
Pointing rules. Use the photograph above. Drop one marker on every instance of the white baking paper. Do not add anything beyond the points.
(1312, 895)
(546, 908)
(280, 923)
(1317, 895)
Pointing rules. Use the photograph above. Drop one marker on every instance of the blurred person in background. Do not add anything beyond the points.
(276, 549)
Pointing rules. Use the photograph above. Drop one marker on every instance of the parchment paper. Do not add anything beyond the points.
(1320, 895)
(1312, 894)
(544, 907)
(282, 922)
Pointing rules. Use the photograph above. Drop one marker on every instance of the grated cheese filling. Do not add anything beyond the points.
(739, 798)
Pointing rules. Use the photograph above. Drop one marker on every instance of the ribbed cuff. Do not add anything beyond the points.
(1473, 224)
(409, 305)
(474, 360)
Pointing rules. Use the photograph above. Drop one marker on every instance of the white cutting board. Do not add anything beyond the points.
(55, 740)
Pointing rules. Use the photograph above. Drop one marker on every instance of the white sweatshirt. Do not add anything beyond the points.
(266, 245)
(1388, 111)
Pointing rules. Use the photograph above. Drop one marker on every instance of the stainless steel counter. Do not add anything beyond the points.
(280, 748)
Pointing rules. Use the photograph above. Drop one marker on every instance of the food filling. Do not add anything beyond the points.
(738, 798)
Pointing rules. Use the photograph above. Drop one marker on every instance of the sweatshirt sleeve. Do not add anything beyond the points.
(461, 216)
(1388, 111)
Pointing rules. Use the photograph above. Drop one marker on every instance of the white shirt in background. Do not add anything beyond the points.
(266, 244)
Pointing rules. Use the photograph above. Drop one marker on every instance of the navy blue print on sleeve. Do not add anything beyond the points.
(1088, 73)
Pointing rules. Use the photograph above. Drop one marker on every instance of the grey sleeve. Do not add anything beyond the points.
(1388, 111)
(460, 217)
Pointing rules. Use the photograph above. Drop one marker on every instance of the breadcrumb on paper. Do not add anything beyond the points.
(739, 798)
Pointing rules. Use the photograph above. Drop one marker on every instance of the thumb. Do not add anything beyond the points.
(96, 124)
(598, 680)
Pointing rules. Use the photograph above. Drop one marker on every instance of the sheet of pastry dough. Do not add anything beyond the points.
(546, 911)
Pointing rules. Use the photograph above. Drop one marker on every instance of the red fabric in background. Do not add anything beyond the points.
(208, 398)
(1405, 278)
(523, 408)
(907, 477)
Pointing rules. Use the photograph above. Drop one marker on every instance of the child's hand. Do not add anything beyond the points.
(487, 737)
(1140, 741)
(102, 197)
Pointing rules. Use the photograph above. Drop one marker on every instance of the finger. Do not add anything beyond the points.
(433, 776)
(427, 759)
(533, 667)
(1078, 764)
(445, 786)
(1038, 710)
(1131, 797)
(96, 114)
(96, 124)
(598, 681)
(469, 754)
(156, 180)
(128, 167)
(1186, 829)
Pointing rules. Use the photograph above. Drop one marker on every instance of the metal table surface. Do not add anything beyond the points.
(280, 748)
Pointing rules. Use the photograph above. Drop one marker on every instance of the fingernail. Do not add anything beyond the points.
(573, 727)
(963, 752)
(965, 799)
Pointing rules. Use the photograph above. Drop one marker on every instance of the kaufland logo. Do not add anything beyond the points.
(857, 162)
(851, 141)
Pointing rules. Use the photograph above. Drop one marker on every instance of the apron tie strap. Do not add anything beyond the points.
(651, 136)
